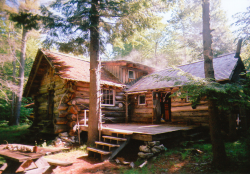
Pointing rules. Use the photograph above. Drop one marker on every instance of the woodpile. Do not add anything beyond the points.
(150, 149)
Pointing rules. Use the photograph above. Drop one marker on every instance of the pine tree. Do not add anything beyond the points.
(219, 153)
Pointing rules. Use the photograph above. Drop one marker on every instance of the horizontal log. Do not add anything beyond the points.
(42, 98)
(176, 104)
(62, 107)
(78, 101)
(81, 114)
(186, 114)
(120, 93)
(60, 121)
(43, 107)
(72, 117)
(81, 94)
(189, 108)
(114, 119)
(113, 108)
(60, 91)
(119, 98)
(61, 98)
(58, 128)
(146, 115)
(81, 121)
(62, 114)
(71, 124)
(144, 111)
(190, 119)
(141, 120)
(59, 85)
(40, 112)
(113, 114)
(78, 88)
(82, 84)
(43, 90)
(72, 110)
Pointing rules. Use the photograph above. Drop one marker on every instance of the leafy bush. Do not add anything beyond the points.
(5, 110)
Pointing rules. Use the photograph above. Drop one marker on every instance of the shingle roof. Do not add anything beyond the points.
(67, 67)
(223, 68)
(74, 68)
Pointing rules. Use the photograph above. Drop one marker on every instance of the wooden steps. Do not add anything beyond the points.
(114, 138)
(109, 146)
(103, 152)
(106, 144)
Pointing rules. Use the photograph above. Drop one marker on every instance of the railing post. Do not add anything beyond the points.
(85, 113)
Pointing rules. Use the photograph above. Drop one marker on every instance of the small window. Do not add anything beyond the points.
(142, 100)
(131, 74)
(108, 97)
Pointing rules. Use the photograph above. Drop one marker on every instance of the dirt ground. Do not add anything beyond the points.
(83, 164)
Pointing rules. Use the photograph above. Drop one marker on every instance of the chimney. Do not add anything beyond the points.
(237, 55)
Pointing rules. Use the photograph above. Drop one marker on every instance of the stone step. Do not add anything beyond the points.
(103, 152)
(114, 138)
(107, 144)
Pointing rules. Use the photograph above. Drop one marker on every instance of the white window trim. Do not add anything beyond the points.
(113, 98)
(139, 99)
(133, 74)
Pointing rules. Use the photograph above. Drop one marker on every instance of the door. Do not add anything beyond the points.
(167, 107)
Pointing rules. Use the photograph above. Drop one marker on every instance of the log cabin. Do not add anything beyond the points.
(59, 85)
(144, 95)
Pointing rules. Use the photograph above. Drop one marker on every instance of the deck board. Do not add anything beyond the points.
(144, 132)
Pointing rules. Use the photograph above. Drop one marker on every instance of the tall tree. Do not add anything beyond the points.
(219, 153)
(27, 19)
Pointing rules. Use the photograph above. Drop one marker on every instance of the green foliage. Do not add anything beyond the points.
(5, 110)
(224, 95)
(119, 21)
(13, 134)
(243, 25)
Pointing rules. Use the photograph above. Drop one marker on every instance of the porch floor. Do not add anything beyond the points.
(145, 132)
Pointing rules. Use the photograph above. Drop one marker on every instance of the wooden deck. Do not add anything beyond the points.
(145, 132)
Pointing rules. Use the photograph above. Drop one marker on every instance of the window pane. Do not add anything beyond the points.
(142, 99)
(131, 74)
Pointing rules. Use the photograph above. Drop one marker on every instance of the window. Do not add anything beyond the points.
(142, 100)
(131, 74)
(108, 97)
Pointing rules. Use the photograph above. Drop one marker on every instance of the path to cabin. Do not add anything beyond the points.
(144, 132)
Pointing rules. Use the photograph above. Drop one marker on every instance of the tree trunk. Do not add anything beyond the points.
(94, 75)
(13, 97)
(219, 154)
(21, 77)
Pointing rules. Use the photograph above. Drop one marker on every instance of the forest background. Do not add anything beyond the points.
(158, 41)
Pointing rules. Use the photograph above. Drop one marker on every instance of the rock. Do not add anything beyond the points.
(156, 150)
(132, 165)
(63, 134)
(145, 155)
(160, 147)
(143, 148)
(154, 143)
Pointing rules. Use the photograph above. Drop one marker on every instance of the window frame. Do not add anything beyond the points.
(133, 74)
(102, 104)
(140, 100)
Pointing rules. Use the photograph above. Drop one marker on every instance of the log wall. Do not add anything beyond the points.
(121, 72)
(181, 109)
(69, 102)
(141, 113)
